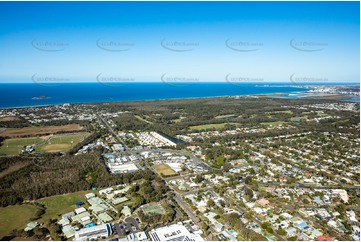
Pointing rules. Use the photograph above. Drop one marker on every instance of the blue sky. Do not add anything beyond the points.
(265, 40)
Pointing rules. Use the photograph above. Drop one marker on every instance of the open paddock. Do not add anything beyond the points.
(8, 119)
(39, 130)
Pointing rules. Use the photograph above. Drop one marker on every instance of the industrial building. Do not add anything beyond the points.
(93, 233)
(175, 232)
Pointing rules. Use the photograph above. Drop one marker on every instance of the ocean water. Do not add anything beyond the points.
(35, 94)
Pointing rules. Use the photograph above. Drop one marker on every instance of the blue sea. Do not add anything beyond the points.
(34, 94)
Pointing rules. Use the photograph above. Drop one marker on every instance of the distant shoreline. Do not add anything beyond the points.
(274, 95)
(150, 92)
(152, 100)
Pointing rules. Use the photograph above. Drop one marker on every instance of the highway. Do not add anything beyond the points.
(111, 131)
(186, 208)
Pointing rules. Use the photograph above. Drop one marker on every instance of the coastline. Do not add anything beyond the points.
(304, 93)
(268, 95)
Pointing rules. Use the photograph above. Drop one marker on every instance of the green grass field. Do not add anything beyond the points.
(15, 217)
(56, 143)
(60, 204)
(153, 208)
(61, 143)
(164, 169)
(210, 126)
(14, 146)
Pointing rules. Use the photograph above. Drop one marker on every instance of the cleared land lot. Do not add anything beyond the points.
(36, 130)
(15, 217)
(7, 119)
(164, 170)
(153, 208)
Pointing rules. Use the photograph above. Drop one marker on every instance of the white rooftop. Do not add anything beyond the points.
(174, 232)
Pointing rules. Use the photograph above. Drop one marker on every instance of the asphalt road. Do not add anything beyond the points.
(186, 208)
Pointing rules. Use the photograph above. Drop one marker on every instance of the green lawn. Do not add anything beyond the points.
(14, 146)
(209, 126)
(56, 143)
(60, 204)
(15, 217)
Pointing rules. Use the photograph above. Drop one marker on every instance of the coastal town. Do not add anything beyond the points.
(180, 120)
(230, 182)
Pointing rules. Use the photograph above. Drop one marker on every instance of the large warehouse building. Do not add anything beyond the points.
(174, 232)
(93, 233)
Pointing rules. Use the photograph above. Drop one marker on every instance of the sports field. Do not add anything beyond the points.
(61, 143)
(153, 208)
(15, 217)
(14, 146)
(164, 170)
(60, 204)
(55, 143)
